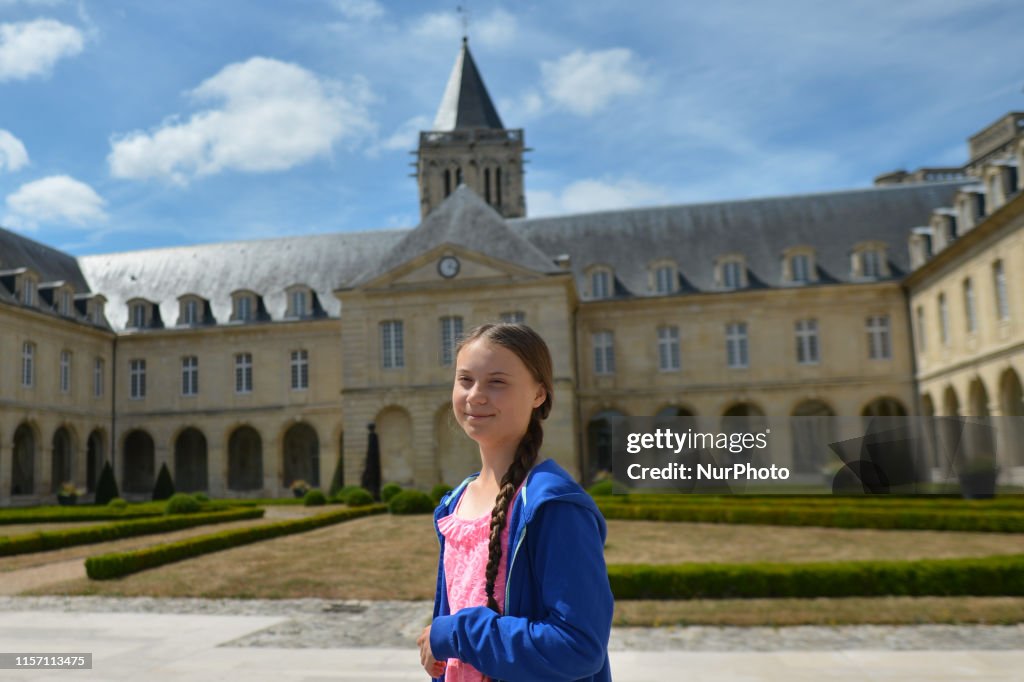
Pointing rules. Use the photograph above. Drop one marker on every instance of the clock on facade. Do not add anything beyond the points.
(448, 266)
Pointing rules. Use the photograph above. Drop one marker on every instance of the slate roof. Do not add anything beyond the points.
(695, 235)
(214, 271)
(465, 103)
(628, 240)
(466, 220)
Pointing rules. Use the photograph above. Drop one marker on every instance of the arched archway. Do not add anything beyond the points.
(394, 431)
(458, 455)
(599, 442)
(61, 467)
(812, 429)
(301, 455)
(981, 438)
(744, 417)
(190, 461)
(245, 459)
(930, 433)
(884, 407)
(138, 462)
(93, 459)
(23, 462)
(1011, 405)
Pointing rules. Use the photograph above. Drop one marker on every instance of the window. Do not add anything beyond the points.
(243, 373)
(807, 342)
(969, 310)
(65, 371)
(97, 378)
(300, 370)
(65, 303)
(392, 352)
(298, 303)
(668, 348)
(732, 274)
(243, 308)
(139, 315)
(878, 337)
(29, 291)
(191, 311)
(922, 337)
(943, 320)
(800, 267)
(516, 317)
(999, 279)
(138, 379)
(190, 375)
(736, 345)
(451, 330)
(600, 284)
(604, 353)
(28, 364)
(663, 277)
(870, 263)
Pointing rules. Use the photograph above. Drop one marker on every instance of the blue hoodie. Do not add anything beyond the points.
(558, 601)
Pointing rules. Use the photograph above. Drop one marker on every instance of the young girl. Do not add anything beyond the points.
(522, 587)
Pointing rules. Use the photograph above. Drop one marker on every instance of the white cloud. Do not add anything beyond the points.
(12, 152)
(529, 105)
(406, 137)
(360, 10)
(32, 48)
(56, 199)
(584, 196)
(272, 116)
(584, 82)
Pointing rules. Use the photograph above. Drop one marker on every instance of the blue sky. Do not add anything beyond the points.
(136, 124)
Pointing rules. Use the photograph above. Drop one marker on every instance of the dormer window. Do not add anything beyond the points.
(601, 282)
(244, 309)
(869, 261)
(95, 309)
(664, 277)
(138, 315)
(191, 311)
(970, 207)
(731, 272)
(798, 266)
(66, 301)
(28, 290)
(299, 301)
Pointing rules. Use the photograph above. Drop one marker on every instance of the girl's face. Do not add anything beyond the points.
(494, 393)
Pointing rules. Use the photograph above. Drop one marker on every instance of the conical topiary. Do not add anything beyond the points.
(338, 480)
(106, 486)
(164, 487)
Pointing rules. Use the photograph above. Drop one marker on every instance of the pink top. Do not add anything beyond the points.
(465, 572)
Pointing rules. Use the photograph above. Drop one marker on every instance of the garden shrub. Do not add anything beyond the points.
(411, 502)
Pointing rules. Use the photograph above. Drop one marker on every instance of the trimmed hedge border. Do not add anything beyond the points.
(977, 576)
(117, 564)
(70, 514)
(875, 501)
(833, 517)
(42, 541)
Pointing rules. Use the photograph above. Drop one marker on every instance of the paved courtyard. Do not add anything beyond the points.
(313, 640)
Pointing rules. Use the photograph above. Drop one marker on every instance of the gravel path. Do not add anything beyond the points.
(322, 624)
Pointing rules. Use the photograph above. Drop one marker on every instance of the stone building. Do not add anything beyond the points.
(244, 366)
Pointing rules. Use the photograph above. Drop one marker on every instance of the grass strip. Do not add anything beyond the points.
(117, 564)
(831, 517)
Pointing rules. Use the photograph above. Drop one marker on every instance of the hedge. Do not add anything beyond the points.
(835, 517)
(42, 541)
(1015, 502)
(979, 576)
(117, 564)
(83, 513)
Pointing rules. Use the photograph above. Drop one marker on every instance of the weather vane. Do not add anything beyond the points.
(464, 13)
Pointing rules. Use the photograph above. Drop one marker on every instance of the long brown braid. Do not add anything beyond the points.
(531, 349)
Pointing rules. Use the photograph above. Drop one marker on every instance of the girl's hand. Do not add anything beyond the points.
(433, 667)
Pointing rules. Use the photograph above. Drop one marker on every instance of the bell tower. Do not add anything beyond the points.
(469, 145)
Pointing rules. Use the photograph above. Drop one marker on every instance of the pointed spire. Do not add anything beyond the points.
(466, 103)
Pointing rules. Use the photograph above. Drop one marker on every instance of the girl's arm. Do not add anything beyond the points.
(571, 640)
